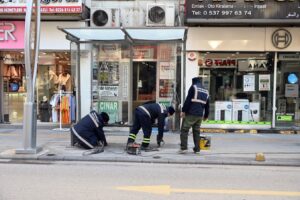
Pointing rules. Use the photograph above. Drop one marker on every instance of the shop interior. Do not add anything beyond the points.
(235, 82)
(54, 75)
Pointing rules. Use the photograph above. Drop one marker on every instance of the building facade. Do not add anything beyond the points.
(247, 53)
(54, 67)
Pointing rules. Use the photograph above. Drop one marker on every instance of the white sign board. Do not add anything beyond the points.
(291, 90)
(251, 65)
(249, 83)
(108, 91)
(264, 81)
(166, 70)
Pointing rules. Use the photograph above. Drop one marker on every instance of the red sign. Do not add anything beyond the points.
(217, 63)
(12, 34)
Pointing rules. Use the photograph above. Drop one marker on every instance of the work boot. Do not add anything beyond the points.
(196, 150)
(148, 149)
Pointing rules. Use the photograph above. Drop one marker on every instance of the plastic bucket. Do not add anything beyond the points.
(205, 142)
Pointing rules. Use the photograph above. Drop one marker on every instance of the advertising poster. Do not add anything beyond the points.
(264, 81)
(109, 52)
(249, 83)
(165, 88)
(167, 70)
(111, 108)
(108, 73)
(108, 91)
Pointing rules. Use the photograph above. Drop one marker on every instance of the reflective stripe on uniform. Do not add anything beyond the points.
(82, 139)
(146, 111)
(146, 140)
(132, 136)
(162, 108)
(198, 101)
(200, 90)
(94, 120)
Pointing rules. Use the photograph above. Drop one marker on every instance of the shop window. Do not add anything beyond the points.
(239, 85)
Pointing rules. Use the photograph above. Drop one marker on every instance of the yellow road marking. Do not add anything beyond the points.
(167, 190)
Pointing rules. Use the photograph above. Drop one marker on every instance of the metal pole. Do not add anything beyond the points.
(274, 92)
(78, 102)
(183, 73)
(130, 86)
(29, 121)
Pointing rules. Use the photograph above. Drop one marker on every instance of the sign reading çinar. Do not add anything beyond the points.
(242, 11)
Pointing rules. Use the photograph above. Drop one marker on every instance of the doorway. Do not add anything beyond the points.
(144, 82)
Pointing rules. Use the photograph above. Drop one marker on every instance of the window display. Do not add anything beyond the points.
(239, 86)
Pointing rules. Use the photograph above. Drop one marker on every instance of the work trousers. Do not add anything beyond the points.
(142, 120)
(188, 122)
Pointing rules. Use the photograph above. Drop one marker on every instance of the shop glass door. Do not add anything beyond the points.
(144, 82)
(288, 99)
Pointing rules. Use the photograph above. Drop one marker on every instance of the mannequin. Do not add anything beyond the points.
(64, 81)
(45, 110)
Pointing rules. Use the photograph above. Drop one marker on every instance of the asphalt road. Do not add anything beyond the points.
(33, 180)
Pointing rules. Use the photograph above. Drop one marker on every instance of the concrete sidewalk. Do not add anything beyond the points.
(227, 149)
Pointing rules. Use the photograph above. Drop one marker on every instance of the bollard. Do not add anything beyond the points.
(260, 157)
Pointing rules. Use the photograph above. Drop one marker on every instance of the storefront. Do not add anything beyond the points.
(247, 53)
(241, 67)
(54, 74)
(130, 67)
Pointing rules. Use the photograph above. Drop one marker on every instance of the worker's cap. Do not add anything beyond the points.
(196, 80)
(105, 117)
(171, 110)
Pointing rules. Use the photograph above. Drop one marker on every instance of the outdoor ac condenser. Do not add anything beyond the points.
(160, 14)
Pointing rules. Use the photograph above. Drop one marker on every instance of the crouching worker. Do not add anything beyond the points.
(88, 132)
(145, 116)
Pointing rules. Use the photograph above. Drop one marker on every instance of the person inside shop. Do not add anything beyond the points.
(45, 110)
(64, 81)
(88, 132)
(145, 116)
(196, 103)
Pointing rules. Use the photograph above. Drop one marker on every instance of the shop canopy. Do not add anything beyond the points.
(132, 35)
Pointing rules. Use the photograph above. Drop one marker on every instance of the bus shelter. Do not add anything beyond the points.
(127, 67)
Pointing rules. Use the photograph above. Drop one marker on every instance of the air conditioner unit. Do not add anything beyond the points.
(160, 14)
(105, 17)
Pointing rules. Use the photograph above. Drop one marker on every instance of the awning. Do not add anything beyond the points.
(133, 35)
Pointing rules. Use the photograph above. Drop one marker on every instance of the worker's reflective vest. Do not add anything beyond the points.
(200, 95)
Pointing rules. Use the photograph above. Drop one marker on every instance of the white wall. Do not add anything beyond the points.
(85, 82)
(225, 39)
(54, 39)
(192, 70)
(258, 39)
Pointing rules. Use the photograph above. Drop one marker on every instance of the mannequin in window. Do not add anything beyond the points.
(45, 110)
(64, 81)
(12, 72)
(53, 81)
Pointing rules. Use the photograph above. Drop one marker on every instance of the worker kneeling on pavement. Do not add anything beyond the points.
(88, 132)
(145, 116)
